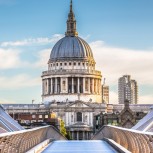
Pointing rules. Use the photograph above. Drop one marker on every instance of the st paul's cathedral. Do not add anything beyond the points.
(71, 87)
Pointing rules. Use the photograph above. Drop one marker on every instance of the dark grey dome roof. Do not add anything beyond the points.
(69, 48)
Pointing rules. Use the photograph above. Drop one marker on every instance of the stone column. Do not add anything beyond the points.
(83, 135)
(87, 135)
(47, 86)
(89, 85)
(55, 85)
(51, 85)
(77, 135)
(93, 85)
(67, 84)
(99, 86)
(84, 85)
(72, 135)
(78, 85)
(96, 86)
(42, 87)
(61, 86)
(72, 85)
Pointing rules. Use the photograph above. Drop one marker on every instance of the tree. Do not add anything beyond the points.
(68, 136)
(62, 128)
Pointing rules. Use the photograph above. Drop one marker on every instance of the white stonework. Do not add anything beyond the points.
(71, 70)
(72, 82)
(66, 98)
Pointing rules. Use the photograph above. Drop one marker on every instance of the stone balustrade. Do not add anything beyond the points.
(133, 140)
(22, 141)
(71, 71)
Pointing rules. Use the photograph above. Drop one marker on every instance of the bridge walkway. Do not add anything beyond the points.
(93, 146)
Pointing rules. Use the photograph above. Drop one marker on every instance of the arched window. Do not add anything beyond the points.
(79, 117)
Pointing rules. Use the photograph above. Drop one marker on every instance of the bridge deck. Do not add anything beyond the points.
(79, 147)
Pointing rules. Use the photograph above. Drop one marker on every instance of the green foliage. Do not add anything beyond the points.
(63, 129)
(68, 136)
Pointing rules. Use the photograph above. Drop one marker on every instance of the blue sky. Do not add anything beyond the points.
(119, 31)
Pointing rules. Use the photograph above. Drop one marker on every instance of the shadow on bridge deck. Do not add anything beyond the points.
(94, 146)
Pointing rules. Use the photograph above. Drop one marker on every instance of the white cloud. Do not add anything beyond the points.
(43, 57)
(9, 58)
(32, 41)
(115, 62)
(19, 81)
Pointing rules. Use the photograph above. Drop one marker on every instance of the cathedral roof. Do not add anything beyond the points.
(71, 47)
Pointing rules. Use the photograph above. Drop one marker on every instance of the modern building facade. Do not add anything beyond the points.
(105, 94)
(127, 89)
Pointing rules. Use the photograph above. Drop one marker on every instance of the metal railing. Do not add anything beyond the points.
(133, 140)
(22, 141)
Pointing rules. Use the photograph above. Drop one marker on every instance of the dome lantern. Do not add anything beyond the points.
(71, 23)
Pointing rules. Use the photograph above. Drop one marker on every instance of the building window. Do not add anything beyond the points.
(78, 63)
(83, 64)
(40, 116)
(65, 64)
(60, 64)
(69, 63)
(79, 117)
(56, 64)
(33, 116)
(46, 116)
(74, 63)
(51, 65)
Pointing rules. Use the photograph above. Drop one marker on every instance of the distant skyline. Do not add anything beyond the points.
(119, 32)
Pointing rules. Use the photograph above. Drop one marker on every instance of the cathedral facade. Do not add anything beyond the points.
(71, 79)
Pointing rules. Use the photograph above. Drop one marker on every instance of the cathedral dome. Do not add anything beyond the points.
(71, 48)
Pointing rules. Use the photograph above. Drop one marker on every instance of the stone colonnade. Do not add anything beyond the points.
(80, 135)
(57, 85)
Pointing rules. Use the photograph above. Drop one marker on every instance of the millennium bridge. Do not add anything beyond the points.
(109, 139)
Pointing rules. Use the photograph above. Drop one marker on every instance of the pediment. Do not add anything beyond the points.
(78, 104)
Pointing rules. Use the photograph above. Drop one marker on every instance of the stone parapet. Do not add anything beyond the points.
(70, 71)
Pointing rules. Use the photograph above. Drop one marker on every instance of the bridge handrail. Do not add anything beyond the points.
(133, 140)
(24, 140)
(125, 129)
(22, 131)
